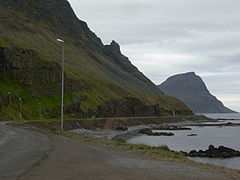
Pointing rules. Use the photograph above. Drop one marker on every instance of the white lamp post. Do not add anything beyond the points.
(40, 111)
(62, 101)
(10, 101)
(20, 108)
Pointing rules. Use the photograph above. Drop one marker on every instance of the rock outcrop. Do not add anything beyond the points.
(191, 90)
(212, 152)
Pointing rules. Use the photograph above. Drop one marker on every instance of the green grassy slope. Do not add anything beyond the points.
(95, 73)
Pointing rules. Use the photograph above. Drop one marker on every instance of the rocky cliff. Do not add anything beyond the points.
(191, 90)
(100, 81)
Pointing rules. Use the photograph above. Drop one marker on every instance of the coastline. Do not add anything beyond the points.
(112, 134)
(132, 131)
(159, 153)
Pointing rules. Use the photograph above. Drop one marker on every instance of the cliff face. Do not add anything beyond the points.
(191, 90)
(30, 59)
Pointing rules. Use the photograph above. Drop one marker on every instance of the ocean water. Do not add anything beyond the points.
(226, 136)
(224, 116)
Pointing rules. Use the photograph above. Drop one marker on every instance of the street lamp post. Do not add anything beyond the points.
(40, 111)
(20, 108)
(62, 100)
(102, 111)
(10, 101)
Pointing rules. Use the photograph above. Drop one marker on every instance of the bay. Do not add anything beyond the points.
(217, 136)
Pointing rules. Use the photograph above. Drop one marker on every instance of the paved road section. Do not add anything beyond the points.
(20, 150)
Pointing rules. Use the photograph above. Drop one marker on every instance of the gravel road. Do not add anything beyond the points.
(67, 159)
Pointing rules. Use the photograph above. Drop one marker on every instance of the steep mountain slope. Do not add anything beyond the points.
(190, 89)
(96, 74)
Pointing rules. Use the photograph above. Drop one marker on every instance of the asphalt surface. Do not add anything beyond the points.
(20, 150)
(30, 155)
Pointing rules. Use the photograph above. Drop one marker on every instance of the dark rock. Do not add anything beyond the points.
(212, 152)
(191, 90)
(169, 127)
(192, 135)
(121, 128)
(113, 51)
(129, 107)
(211, 147)
(193, 151)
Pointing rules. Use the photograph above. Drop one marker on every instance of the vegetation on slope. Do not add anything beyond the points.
(100, 81)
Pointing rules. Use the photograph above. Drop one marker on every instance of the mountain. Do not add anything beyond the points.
(191, 90)
(100, 81)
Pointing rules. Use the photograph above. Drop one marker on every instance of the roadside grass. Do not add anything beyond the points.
(162, 152)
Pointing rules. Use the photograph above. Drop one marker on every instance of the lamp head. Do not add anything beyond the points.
(60, 40)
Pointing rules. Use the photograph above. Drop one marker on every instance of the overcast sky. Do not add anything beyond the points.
(167, 37)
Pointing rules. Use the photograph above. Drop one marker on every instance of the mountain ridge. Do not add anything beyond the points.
(191, 90)
(29, 29)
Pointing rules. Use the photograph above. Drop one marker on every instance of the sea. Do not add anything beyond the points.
(217, 136)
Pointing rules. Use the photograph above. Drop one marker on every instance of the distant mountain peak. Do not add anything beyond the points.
(191, 90)
(187, 74)
(191, 73)
(115, 46)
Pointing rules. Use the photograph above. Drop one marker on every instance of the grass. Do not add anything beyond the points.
(2, 45)
(29, 106)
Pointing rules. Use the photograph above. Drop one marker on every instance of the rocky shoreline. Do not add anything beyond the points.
(212, 152)
(124, 129)
(149, 132)
(217, 125)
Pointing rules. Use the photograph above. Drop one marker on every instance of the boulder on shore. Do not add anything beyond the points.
(212, 152)
(170, 127)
